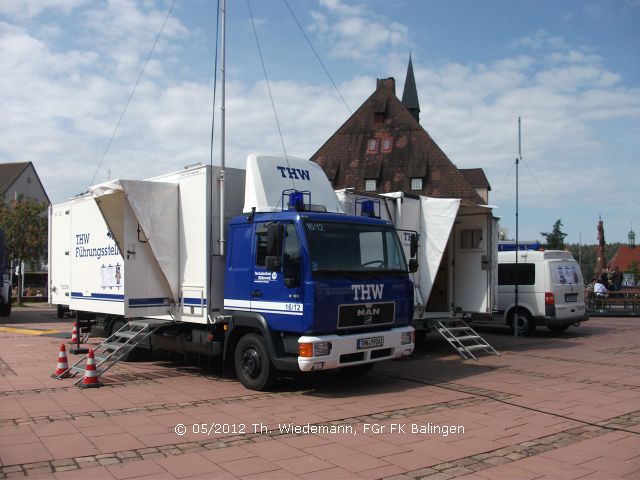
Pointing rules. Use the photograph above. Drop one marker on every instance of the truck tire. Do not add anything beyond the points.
(526, 324)
(5, 309)
(60, 311)
(252, 364)
(558, 328)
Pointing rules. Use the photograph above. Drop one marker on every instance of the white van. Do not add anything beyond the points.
(550, 290)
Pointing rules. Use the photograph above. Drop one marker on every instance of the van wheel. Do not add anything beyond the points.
(526, 325)
(558, 328)
(5, 309)
(253, 366)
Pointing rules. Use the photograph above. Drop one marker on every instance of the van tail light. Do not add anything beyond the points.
(549, 298)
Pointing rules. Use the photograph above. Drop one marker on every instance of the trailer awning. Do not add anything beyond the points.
(438, 217)
(155, 207)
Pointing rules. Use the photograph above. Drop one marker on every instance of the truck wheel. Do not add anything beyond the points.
(357, 370)
(558, 328)
(5, 309)
(252, 363)
(60, 311)
(526, 324)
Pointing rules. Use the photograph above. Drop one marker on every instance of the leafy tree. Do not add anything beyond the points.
(25, 227)
(555, 239)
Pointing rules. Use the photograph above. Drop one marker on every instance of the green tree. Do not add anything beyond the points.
(25, 227)
(555, 239)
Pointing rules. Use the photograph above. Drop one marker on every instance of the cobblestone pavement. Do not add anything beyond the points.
(550, 407)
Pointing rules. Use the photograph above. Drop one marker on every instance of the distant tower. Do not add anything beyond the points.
(632, 238)
(600, 260)
(410, 93)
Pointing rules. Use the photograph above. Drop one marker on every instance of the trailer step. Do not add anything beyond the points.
(119, 345)
(469, 340)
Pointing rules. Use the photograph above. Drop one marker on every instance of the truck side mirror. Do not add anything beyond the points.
(413, 265)
(272, 263)
(274, 239)
(414, 245)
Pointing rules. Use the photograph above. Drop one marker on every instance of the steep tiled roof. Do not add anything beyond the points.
(9, 172)
(476, 177)
(348, 161)
(624, 257)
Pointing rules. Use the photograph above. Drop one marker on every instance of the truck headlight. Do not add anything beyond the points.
(317, 349)
(321, 348)
(406, 338)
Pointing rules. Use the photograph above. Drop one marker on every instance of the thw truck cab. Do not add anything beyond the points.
(330, 291)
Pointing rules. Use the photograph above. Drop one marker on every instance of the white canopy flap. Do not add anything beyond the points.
(155, 206)
(438, 217)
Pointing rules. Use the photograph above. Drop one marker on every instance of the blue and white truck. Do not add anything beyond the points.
(271, 276)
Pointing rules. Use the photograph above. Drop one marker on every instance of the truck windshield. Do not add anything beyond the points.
(346, 248)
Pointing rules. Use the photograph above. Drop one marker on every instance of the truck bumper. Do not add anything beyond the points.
(344, 351)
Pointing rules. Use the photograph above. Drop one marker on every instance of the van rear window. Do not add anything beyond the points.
(525, 274)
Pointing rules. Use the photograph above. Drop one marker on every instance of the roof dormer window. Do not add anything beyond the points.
(372, 145)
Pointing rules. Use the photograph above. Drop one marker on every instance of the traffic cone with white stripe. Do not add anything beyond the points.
(62, 370)
(74, 335)
(91, 378)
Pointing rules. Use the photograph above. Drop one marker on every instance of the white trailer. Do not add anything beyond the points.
(457, 252)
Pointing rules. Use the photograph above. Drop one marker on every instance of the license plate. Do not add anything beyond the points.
(571, 297)
(370, 342)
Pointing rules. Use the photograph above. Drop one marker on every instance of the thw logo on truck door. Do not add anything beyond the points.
(367, 291)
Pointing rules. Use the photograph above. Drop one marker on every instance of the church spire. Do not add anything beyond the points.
(410, 93)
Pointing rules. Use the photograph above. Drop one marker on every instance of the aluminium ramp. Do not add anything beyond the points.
(464, 339)
(118, 346)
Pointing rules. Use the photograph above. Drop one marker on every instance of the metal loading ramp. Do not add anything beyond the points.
(116, 347)
(464, 339)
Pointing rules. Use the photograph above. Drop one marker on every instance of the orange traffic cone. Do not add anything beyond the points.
(62, 370)
(74, 334)
(91, 378)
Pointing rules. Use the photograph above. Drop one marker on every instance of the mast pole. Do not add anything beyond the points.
(221, 177)
(516, 315)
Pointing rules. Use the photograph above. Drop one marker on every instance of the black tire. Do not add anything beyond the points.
(357, 370)
(526, 324)
(116, 325)
(5, 309)
(252, 363)
(558, 328)
(60, 311)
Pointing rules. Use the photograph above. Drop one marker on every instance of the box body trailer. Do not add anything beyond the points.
(457, 252)
(281, 280)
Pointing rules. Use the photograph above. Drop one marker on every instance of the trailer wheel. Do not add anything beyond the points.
(5, 309)
(526, 324)
(253, 366)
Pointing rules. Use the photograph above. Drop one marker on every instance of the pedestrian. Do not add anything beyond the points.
(599, 288)
(604, 280)
(616, 279)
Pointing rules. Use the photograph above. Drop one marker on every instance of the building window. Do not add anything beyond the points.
(470, 239)
(370, 185)
(386, 145)
(416, 184)
(372, 145)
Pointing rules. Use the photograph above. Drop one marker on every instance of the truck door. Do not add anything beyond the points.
(277, 284)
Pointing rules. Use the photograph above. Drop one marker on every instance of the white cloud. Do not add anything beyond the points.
(33, 8)
(353, 32)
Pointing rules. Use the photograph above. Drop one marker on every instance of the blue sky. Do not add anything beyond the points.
(570, 69)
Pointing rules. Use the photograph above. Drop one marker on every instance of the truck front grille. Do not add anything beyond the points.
(366, 314)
